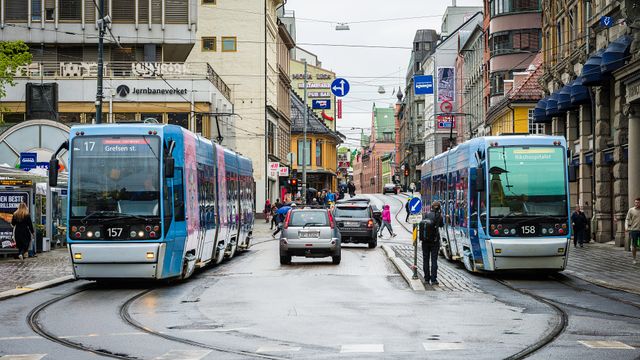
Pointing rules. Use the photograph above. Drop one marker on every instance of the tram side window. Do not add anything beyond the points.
(168, 207)
(178, 195)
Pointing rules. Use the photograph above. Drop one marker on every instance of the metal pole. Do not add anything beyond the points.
(99, 95)
(304, 138)
(415, 255)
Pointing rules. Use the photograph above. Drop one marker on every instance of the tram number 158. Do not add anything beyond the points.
(528, 230)
(114, 232)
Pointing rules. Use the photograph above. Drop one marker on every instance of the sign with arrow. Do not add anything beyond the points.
(606, 21)
(340, 87)
(415, 205)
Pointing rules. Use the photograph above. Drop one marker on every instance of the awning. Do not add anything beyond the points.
(552, 105)
(540, 112)
(564, 98)
(591, 72)
(579, 93)
(616, 54)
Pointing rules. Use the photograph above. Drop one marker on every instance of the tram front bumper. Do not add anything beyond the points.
(528, 253)
(117, 260)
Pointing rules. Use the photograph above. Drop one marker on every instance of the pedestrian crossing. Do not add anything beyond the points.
(347, 349)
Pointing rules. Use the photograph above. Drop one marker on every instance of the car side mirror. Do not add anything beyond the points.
(53, 172)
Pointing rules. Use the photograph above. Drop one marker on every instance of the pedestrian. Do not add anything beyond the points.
(579, 222)
(386, 221)
(278, 204)
(407, 209)
(282, 215)
(412, 187)
(267, 211)
(430, 237)
(22, 230)
(632, 224)
(352, 188)
(331, 198)
(274, 216)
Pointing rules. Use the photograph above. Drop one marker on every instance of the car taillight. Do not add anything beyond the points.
(332, 224)
(286, 220)
(370, 223)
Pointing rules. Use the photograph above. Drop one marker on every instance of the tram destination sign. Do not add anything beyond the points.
(129, 146)
(15, 182)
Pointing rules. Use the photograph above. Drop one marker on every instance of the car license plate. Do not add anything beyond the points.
(351, 224)
(309, 234)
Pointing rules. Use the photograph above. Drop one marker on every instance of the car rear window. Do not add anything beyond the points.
(351, 212)
(309, 218)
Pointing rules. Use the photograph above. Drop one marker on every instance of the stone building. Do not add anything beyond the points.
(592, 82)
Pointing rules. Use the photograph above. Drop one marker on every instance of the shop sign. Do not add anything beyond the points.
(124, 90)
(28, 160)
(321, 104)
(318, 94)
(284, 171)
(314, 85)
(9, 202)
(274, 168)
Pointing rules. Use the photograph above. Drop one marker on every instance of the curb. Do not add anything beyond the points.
(405, 271)
(601, 283)
(35, 286)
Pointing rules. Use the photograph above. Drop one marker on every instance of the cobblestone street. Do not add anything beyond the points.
(46, 266)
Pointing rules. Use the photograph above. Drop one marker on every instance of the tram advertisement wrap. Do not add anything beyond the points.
(9, 202)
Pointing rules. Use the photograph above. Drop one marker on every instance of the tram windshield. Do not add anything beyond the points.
(527, 182)
(115, 176)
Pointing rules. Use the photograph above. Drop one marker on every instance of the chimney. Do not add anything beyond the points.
(454, 3)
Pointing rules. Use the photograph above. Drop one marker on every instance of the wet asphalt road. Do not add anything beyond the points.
(252, 307)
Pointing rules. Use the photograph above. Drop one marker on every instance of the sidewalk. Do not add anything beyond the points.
(602, 264)
(46, 267)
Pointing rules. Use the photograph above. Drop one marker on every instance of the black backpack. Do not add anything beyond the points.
(428, 229)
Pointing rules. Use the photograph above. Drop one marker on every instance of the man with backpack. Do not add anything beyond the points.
(430, 237)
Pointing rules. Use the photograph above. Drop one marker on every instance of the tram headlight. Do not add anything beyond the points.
(132, 234)
(89, 234)
(513, 231)
(97, 234)
(544, 231)
(141, 233)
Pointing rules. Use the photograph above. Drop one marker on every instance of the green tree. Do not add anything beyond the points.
(13, 54)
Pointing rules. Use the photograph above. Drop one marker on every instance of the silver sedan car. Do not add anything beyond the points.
(310, 233)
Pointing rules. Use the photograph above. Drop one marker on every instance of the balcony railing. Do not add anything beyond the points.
(124, 70)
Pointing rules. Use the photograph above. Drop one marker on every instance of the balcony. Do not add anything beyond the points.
(123, 70)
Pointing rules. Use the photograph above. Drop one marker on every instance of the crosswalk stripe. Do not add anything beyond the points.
(184, 355)
(437, 346)
(605, 344)
(23, 357)
(362, 348)
(277, 348)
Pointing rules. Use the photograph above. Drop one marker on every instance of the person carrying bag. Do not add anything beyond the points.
(430, 237)
(22, 230)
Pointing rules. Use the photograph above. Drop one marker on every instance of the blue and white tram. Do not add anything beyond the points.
(506, 202)
(153, 201)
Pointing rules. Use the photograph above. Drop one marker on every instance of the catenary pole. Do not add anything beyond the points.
(99, 93)
(304, 138)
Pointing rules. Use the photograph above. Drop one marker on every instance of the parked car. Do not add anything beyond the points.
(356, 223)
(389, 188)
(311, 233)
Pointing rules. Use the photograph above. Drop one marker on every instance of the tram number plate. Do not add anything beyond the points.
(114, 232)
(309, 234)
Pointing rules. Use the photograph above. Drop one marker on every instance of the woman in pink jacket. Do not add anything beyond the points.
(386, 221)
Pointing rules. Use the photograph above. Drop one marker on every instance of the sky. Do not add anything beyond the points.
(366, 68)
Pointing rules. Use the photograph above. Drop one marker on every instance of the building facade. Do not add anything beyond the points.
(470, 81)
(240, 39)
(147, 77)
(591, 79)
(411, 126)
(319, 96)
(379, 145)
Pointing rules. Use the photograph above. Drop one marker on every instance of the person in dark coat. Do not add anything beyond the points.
(579, 222)
(430, 237)
(22, 229)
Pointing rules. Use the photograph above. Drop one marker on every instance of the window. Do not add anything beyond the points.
(124, 117)
(271, 136)
(427, 46)
(178, 195)
(209, 2)
(560, 39)
(533, 127)
(70, 10)
(67, 118)
(507, 42)
(229, 44)
(301, 152)
(143, 11)
(149, 117)
(208, 44)
(497, 82)
(15, 10)
(319, 153)
(123, 11)
(181, 119)
(36, 10)
(12, 118)
(176, 11)
(49, 10)
(387, 137)
(499, 7)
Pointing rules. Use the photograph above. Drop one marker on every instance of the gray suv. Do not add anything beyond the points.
(310, 233)
(356, 223)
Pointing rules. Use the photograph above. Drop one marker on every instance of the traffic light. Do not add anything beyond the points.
(406, 172)
(294, 185)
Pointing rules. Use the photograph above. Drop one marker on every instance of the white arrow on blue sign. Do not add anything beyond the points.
(340, 87)
(606, 21)
(415, 205)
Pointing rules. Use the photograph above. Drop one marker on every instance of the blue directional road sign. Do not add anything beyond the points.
(606, 21)
(340, 87)
(415, 205)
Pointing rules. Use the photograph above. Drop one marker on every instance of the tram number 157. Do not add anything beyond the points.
(528, 230)
(114, 232)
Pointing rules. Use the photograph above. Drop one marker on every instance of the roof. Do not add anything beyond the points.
(530, 89)
(314, 124)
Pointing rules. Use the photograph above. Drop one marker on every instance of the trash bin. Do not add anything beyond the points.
(39, 237)
(46, 244)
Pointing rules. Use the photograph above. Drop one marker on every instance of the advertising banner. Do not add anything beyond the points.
(9, 202)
